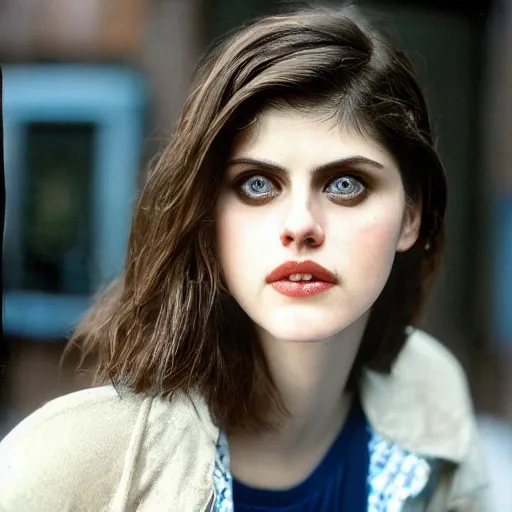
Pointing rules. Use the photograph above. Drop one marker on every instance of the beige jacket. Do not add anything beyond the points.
(97, 451)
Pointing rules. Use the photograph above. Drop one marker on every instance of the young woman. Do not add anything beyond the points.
(259, 345)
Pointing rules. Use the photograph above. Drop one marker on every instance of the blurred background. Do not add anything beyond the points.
(91, 91)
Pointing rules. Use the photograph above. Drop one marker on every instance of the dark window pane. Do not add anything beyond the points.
(56, 209)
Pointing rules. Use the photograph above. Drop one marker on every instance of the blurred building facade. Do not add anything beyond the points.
(496, 187)
(91, 90)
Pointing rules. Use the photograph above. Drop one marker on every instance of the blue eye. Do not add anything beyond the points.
(345, 186)
(257, 186)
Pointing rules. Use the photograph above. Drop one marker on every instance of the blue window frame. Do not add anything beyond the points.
(72, 137)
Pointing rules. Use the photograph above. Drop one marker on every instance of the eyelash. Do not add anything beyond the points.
(244, 177)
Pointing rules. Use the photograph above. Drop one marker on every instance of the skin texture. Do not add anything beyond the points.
(351, 219)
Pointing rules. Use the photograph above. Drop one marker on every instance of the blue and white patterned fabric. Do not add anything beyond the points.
(394, 476)
(222, 477)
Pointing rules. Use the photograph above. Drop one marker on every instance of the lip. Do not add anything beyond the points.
(301, 267)
(323, 279)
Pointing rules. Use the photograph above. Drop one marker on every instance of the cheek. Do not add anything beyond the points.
(226, 234)
(242, 241)
(369, 245)
(379, 237)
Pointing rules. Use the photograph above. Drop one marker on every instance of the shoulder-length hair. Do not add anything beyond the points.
(169, 324)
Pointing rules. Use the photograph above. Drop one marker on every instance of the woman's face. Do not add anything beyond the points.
(299, 190)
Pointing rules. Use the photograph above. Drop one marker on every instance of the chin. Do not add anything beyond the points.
(309, 326)
(304, 329)
(308, 336)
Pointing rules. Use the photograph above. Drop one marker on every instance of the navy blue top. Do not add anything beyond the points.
(338, 483)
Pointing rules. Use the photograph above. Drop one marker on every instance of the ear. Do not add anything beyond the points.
(410, 226)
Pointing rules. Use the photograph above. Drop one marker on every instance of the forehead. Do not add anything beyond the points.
(292, 137)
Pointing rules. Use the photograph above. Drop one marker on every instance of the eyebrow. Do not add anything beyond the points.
(320, 169)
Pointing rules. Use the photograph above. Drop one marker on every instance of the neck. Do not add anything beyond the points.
(311, 378)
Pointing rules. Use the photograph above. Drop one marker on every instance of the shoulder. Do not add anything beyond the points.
(76, 439)
(81, 414)
(424, 404)
(426, 359)
(424, 407)
(426, 370)
(98, 448)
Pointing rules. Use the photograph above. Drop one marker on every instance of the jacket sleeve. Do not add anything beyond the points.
(464, 487)
(471, 488)
(67, 456)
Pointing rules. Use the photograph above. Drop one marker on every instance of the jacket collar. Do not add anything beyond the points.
(424, 404)
(423, 407)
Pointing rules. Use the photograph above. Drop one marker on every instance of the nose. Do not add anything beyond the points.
(301, 229)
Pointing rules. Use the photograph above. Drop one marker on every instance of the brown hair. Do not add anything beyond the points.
(169, 324)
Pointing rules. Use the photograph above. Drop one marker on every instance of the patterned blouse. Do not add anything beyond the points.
(394, 476)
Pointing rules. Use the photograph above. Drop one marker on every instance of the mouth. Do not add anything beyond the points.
(301, 279)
